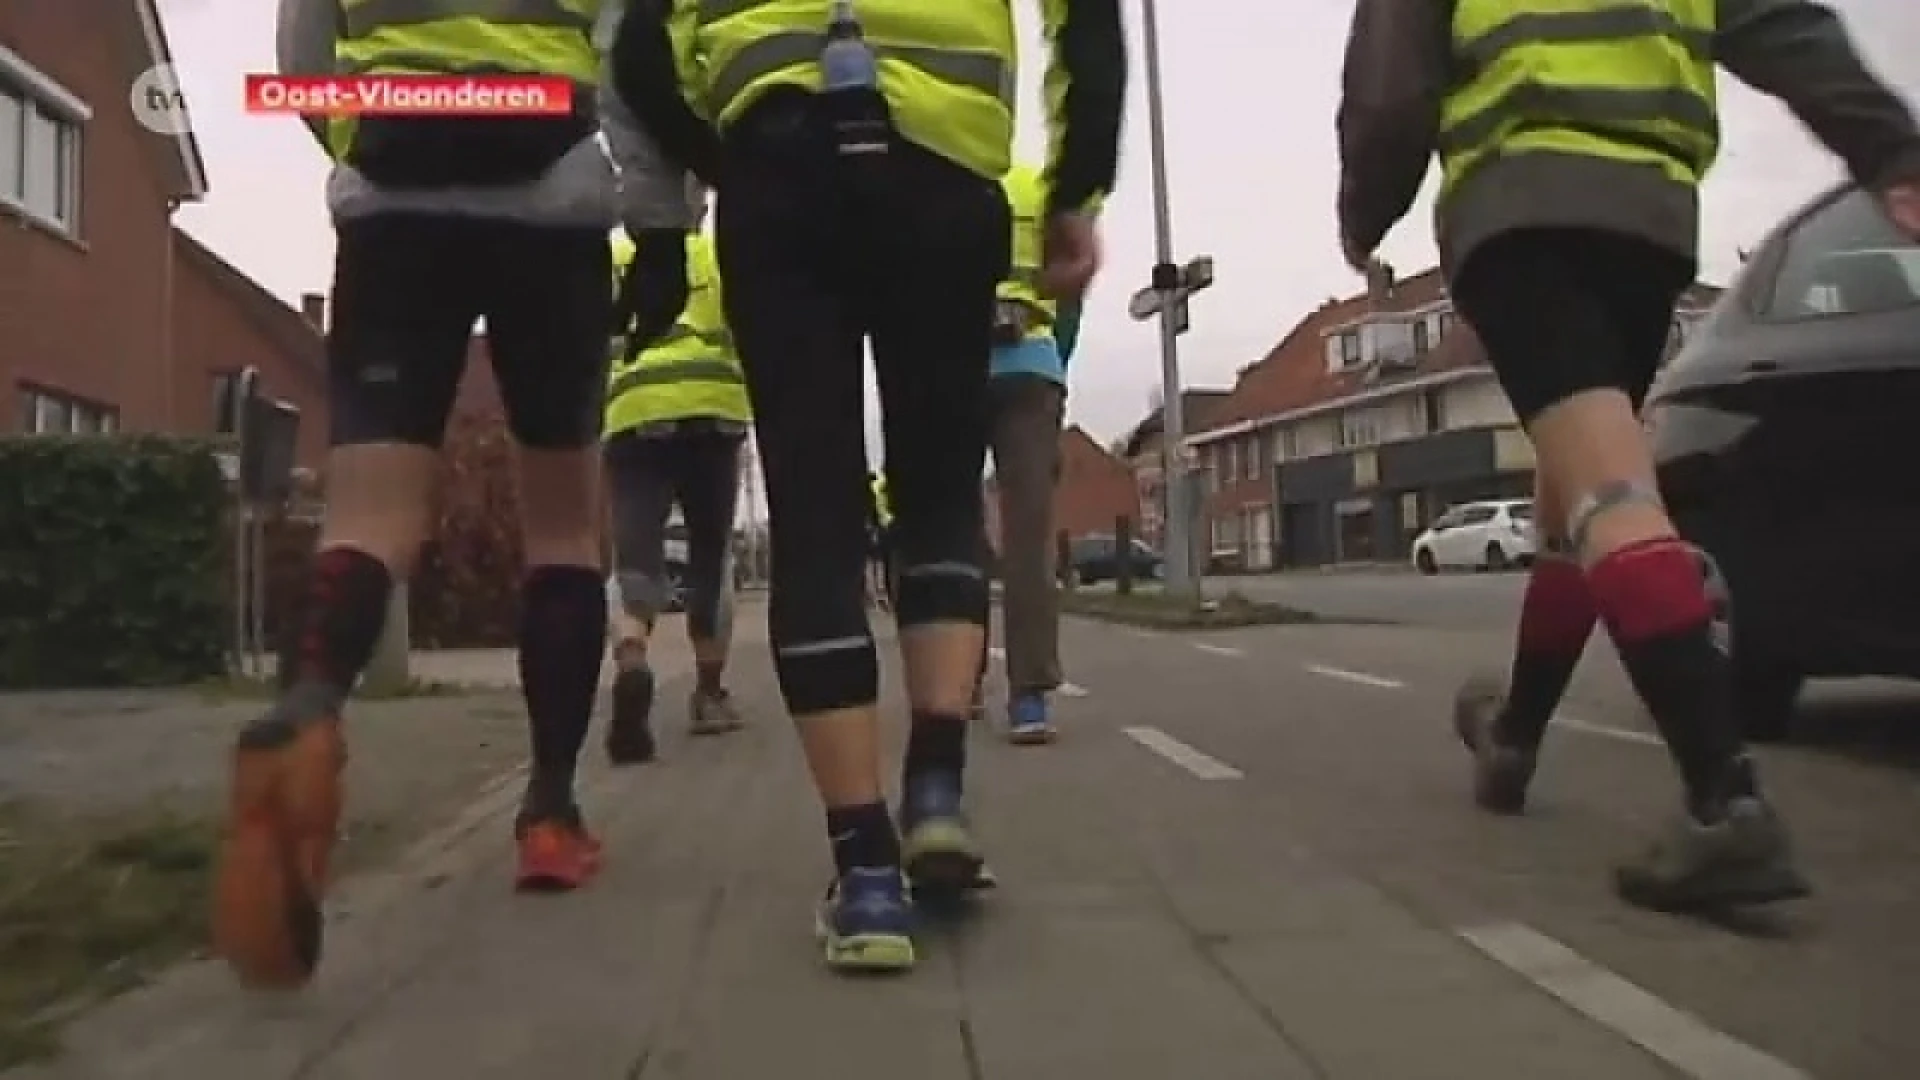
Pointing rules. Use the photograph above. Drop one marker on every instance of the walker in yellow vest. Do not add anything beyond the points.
(513, 37)
(677, 412)
(692, 372)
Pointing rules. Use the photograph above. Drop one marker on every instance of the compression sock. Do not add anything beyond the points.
(343, 612)
(1654, 600)
(863, 838)
(936, 745)
(1556, 618)
(563, 634)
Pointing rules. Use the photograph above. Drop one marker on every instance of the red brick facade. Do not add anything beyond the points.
(1095, 489)
(117, 312)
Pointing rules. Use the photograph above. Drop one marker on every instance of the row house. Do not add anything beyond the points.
(111, 317)
(1368, 420)
(1141, 450)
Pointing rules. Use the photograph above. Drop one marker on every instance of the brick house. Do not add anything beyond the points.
(1140, 449)
(1094, 490)
(112, 318)
(1363, 424)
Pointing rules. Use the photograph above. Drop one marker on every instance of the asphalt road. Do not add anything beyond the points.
(1464, 600)
(1251, 857)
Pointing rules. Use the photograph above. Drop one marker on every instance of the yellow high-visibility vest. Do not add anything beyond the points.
(1027, 197)
(429, 37)
(690, 373)
(947, 69)
(1624, 80)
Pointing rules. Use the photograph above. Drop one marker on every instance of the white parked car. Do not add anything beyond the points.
(1491, 535)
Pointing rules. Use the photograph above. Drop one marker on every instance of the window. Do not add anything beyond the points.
(1230, 462)
(1432, 412)
(1250, 458)
(39, 159)
(1358, 428)
(1846, 259)
(1478, 515)
(1286, 444)
(1349, 349)
(1422, 338)
(225, 385)
(48, 412)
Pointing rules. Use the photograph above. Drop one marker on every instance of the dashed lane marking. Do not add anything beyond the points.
(1679, 1039)
(1186, 757)
(1378, 682)
(1605, 731)
(1218, 650)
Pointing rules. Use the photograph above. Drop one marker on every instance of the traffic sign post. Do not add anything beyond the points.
(1167, 297)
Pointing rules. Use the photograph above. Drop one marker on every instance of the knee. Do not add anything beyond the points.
(820, 676)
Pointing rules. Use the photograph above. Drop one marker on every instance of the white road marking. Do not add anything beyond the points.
(1181, 754)
(1605, 731)
(1218, 650)
(1144, 635)
(1376, 681)
(1675, 1037)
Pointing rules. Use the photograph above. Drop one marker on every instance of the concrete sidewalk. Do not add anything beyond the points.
(1149, 928)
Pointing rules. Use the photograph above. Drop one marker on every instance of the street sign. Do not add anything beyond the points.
(1144, 305)
(1182, 319)
(1198, 274)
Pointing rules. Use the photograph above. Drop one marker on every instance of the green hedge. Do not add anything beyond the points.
(113, 560)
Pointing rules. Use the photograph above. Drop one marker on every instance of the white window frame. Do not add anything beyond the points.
(50, 412)
(1250, 458)
(42, 97)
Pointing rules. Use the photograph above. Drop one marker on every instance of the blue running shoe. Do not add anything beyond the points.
(940, 854)
(864, 923)
(1028, 720)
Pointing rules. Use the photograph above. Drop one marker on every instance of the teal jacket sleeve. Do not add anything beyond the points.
(1066, 330)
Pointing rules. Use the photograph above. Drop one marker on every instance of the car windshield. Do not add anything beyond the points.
(1846, 259)
(1520, 511)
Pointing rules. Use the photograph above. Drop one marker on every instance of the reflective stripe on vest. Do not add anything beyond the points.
(363, 17)
(1625, 81)
(984, 72)
(947, 71)
(667, 372)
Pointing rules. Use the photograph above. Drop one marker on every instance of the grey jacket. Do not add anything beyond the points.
(1398, 74)
(581, 189)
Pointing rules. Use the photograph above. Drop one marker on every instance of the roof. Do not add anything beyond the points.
(1294, 375)
(186, 168)
(1197, 409)
(280, 324)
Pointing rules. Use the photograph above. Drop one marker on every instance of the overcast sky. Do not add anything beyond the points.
(1250, 92)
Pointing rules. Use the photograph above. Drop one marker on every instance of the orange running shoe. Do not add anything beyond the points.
(282, 823)
(556, 855)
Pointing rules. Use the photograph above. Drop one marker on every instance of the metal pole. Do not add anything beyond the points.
(1178, 557)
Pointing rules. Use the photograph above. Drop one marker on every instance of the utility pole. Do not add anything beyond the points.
(1166, 296)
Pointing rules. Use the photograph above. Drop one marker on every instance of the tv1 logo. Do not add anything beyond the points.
(158, 102)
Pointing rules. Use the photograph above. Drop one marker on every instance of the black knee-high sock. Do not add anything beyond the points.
(333, 636)
(563, 636)
(936, 744)
(1654, 601)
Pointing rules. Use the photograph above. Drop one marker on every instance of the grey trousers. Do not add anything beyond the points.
(646, 476)
(1027, 411)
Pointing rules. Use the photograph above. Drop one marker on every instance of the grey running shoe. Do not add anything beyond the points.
(1742, 860)
(1500, 773)
(713, 714)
